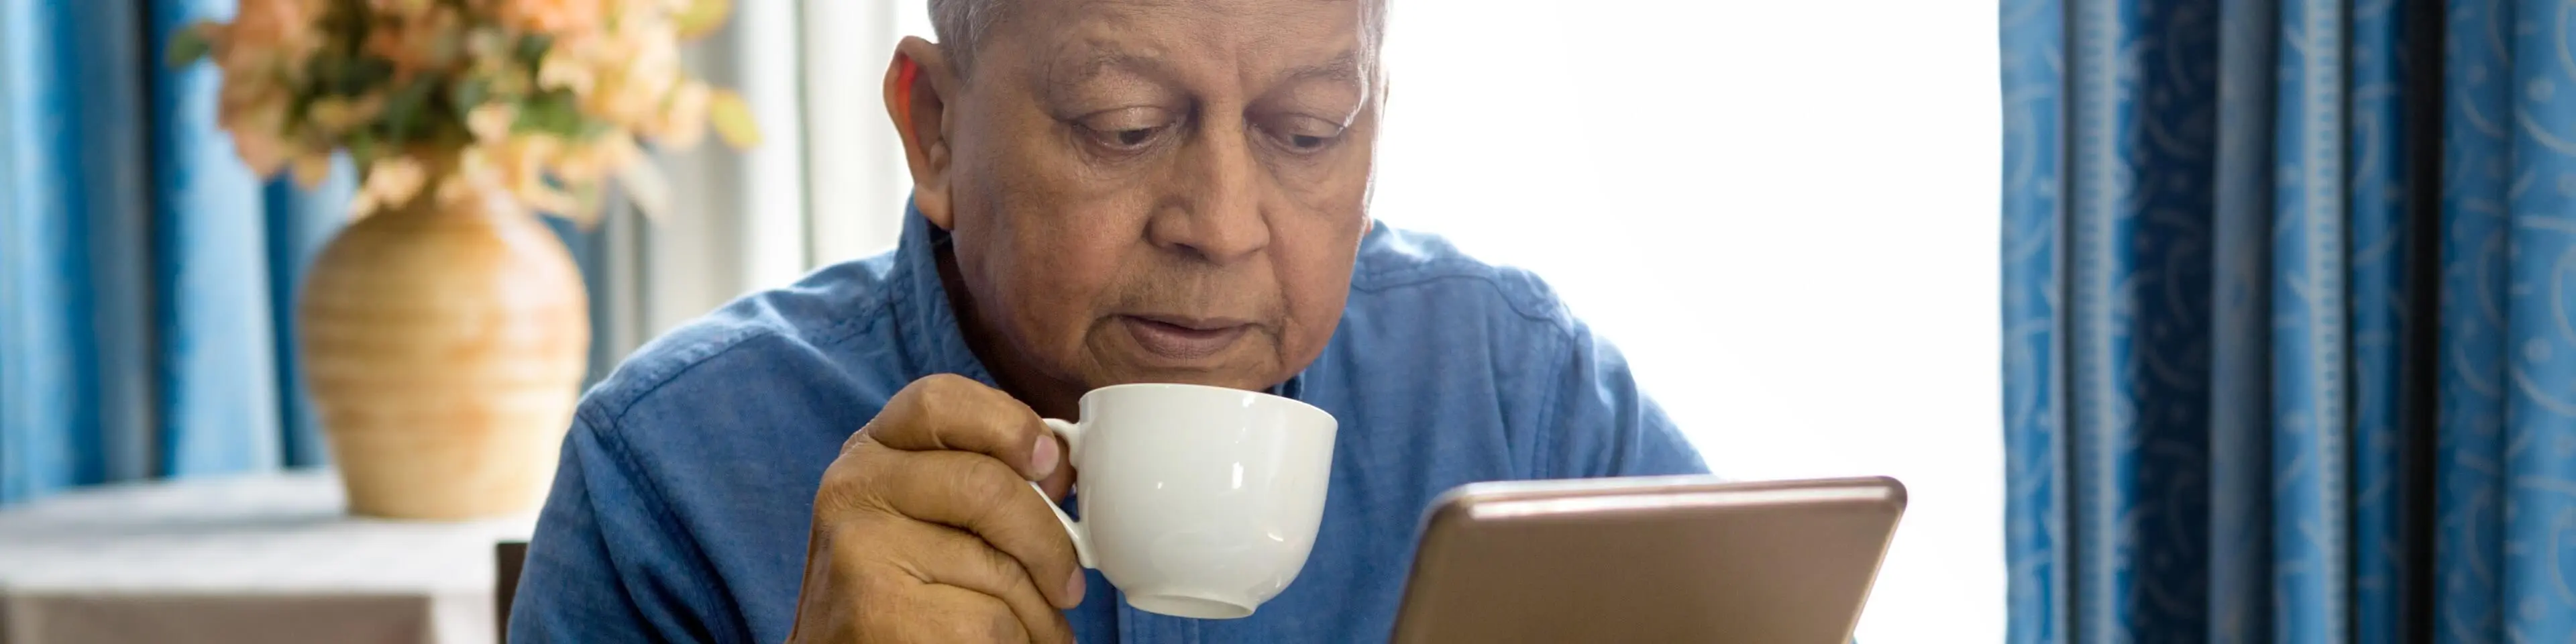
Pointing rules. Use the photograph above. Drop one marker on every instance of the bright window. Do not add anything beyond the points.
(1785, 213)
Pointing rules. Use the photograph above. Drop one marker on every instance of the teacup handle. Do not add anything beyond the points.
(1080, 533)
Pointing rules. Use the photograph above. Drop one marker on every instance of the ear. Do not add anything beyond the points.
(918, 84)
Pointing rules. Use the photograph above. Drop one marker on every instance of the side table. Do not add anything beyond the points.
(256, 558)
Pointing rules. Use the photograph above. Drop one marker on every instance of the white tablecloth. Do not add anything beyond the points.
(268, 558)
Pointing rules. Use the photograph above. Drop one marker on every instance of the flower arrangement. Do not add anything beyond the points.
(544, 100)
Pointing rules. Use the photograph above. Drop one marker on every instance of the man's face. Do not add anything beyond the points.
(1160, 190)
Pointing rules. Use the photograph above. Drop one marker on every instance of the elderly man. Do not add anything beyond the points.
(1106, 191)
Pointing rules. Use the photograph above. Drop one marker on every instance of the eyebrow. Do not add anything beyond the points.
(1102, 61)
(1343, 67)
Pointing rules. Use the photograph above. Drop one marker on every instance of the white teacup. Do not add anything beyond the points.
(1197, 501)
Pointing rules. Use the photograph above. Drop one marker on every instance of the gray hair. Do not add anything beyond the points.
(961, 24)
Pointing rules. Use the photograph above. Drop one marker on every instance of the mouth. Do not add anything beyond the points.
(1183, 339)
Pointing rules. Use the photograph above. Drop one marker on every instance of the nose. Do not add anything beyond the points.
(1218, 217)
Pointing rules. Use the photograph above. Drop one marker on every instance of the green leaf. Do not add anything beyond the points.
(366, 74)
(511, 87)
(468, 93)
(703, 17)
(555, 112)
(532, 47)
(404, 108)
(299, 108)
(363, 147)
(324, 71)
(350, 21)
(188, 45)
(345, 76)
(732, 118)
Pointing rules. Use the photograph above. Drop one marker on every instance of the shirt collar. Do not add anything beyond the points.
(932, 336)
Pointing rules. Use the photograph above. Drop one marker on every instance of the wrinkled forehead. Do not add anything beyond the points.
(1257, 41)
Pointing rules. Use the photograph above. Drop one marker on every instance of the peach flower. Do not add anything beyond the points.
(683, 120)
(391, 182)
(418, 42)
(254, 114)
(617, 60)
(491, 122)
(552, 16)
(267, 32)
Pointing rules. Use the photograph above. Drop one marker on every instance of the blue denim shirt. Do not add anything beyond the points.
(681, 509)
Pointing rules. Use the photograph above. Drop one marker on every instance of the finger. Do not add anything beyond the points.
(974, 493)
(1061, 482)
(951, 412)
(935, 613)
(944, 555)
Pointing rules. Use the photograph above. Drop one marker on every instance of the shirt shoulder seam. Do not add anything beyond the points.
(1532, 306)
(832, 335)
(1545, 434)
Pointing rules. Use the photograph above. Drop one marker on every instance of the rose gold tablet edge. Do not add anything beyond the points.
(1461, 500)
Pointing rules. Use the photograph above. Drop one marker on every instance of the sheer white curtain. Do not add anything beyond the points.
(823, 186)
(857, 173)
(737, 220)
(1783, 211)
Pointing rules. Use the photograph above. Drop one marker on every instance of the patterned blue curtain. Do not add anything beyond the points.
(2287, 344)
(146, 278)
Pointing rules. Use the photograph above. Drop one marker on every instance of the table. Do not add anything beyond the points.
(259, 558)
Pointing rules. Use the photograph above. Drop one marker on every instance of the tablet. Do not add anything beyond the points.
(1661, 559)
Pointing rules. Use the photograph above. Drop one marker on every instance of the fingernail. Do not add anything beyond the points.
(1043, 458)
(1073, 590)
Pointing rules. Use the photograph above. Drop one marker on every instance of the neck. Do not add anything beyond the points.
(1049, 397)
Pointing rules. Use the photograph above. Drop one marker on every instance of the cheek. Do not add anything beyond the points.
(1055, 260)
(1061, 282)
(1315, 279)
(1315, 268)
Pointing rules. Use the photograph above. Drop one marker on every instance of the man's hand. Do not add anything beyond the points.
(925, 529)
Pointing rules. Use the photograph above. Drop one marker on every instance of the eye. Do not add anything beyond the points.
(1126, 129)
(1304, 133)
(1135, 137)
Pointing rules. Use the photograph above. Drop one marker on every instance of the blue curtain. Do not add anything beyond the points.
(146, 278)
(145, 275)
(2286, 320)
